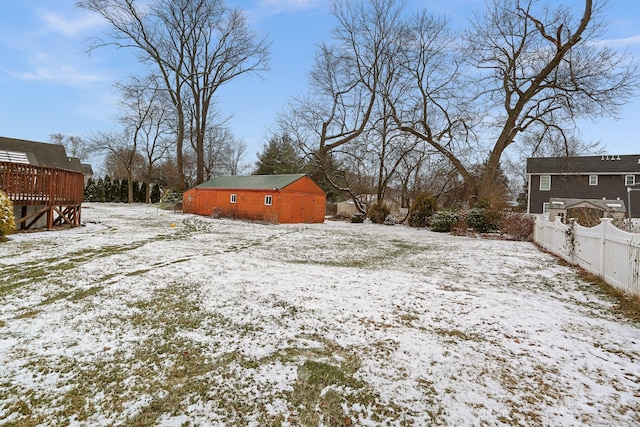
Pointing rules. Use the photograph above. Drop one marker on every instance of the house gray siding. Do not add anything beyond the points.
(570, 179)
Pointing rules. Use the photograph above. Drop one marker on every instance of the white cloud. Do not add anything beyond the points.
(59, 24)
(627, 41)
(61, 74)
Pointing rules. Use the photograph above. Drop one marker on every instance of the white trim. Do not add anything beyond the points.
(268, 200)
(594, 182)
(626, 180)
(582, 173)
(233, 198)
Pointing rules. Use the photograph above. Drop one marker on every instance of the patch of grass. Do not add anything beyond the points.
(626, 305)
(28, 314)
(457, 335)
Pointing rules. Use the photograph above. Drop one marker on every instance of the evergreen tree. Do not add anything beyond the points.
(108, 189)
(136, 192)
(100, 193)
(142, 192)
(155, 193)
(280, 156)
(89, 193)
(124, 190)
(333, 168)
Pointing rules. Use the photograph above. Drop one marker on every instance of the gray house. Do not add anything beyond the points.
(585, 178)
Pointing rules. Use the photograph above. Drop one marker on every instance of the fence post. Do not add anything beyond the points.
(606, 223)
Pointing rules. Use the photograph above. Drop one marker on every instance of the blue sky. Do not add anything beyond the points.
(50, 84)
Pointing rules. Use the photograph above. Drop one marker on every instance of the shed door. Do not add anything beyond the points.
(297, 213)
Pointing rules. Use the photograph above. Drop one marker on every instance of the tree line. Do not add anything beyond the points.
(399, 103)
(114, 190)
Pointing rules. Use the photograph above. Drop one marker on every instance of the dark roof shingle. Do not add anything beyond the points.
(42, 154)
(586, 164)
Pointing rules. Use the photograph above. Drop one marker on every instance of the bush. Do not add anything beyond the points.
(520, 226)
(357, 218)
(483, 217)
(378, 212)
(443, 220)
(172, 197)
(421, 211)
(390, 220)
(7, 220)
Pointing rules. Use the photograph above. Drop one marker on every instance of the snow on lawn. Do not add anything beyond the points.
(132, 321)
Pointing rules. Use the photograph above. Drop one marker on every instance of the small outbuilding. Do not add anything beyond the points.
(593, 208)
(291, 198)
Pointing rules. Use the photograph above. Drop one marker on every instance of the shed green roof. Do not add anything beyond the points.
(252, 182)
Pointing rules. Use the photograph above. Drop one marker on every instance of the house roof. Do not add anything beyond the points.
(623, 164)
(252, 182)
(87, 169)
(37, 154)
(606, 205)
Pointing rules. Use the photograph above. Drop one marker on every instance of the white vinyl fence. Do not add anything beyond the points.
(604, 250)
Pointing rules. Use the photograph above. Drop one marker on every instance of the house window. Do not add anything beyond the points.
(545, 182)
(593, 179)
(268, 200)
(233, 198)
(629, 180)
(545, 207)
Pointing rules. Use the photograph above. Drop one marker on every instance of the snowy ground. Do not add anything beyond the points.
(130, 321)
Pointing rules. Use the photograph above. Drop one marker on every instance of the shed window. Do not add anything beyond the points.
(268, 199)
(545, 182)
(233, 198)
(545, 207)
(593, 179)
(629, 180)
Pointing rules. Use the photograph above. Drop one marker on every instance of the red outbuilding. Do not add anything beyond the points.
(273, 198)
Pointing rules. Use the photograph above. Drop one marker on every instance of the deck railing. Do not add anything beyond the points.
(58, 191)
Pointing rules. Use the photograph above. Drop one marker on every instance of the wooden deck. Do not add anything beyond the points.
(57, 192)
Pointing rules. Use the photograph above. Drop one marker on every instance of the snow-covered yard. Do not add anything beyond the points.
(132, 321)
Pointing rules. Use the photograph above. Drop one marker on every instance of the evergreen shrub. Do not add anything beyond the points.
(443, 220)
(357, 218)
(378, 212)
(155, 193)
(422, 209)
(7, 220)
(484, 217)
(390, 220)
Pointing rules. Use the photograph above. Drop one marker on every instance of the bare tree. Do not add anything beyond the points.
(196, 46)
(223, 152)
(121, 155)
(345, 82)
(538, 71)
(75, 146)
(146, 117)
